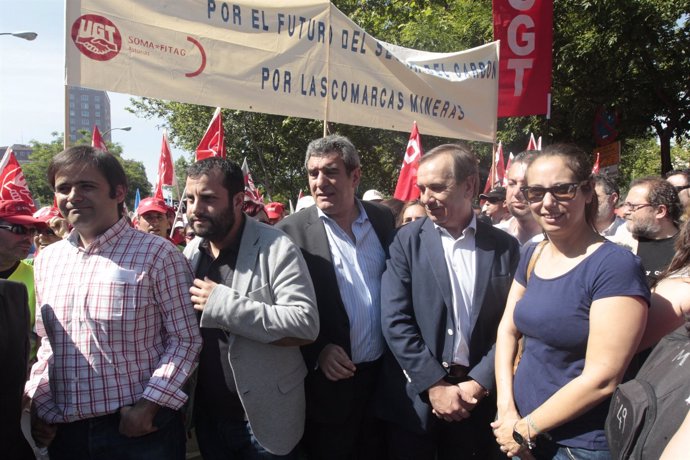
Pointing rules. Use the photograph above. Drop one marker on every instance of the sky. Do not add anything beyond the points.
(32, 94)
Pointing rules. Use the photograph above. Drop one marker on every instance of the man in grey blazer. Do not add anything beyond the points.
(257, 307)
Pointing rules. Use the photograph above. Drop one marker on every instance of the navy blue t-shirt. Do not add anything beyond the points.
(553, 316)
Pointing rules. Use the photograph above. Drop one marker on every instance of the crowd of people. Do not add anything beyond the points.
(350, 329)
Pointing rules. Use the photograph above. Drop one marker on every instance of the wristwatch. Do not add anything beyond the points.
(520, 439)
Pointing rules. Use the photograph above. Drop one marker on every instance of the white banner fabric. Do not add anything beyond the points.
(300, 58)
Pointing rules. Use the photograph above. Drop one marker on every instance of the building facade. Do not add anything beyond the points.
(88, 107)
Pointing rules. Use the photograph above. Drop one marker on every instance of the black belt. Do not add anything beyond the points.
(368, 365)
(457, 373)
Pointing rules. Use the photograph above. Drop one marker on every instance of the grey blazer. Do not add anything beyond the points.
(270, 297)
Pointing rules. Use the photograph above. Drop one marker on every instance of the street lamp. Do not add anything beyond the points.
(25, 35)
(126, 128)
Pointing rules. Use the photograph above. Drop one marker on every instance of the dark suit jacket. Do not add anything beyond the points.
(418, 321)
(14, 357)
(329, 401)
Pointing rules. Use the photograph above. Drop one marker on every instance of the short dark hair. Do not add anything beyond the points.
(609, 185)
(660, 191)
(233, 178)
(465, 163)
(523, 157)
(84, 156)
(340, 145)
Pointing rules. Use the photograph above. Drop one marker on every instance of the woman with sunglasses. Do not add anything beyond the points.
(580, 304)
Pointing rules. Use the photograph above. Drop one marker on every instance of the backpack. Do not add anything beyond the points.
(646, 411)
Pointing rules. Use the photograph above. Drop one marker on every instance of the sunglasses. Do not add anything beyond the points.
(18, 229)
(561, 192)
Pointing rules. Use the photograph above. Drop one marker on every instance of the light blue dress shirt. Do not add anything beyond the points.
(359, 265)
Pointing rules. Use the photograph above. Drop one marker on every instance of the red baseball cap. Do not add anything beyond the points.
(152, 204)
(46, 213)
(274, 210)
(18, 212)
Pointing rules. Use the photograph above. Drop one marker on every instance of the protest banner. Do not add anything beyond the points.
(300, 58)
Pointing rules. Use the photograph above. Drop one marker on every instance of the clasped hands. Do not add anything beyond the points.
(454, 403)
(503, 431)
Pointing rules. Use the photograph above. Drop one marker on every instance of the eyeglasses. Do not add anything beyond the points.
(561, 192)
(634, 207)
(18, 229)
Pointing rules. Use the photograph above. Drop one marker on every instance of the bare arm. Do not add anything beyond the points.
(616, 326)
(506, 350)
(670, 301)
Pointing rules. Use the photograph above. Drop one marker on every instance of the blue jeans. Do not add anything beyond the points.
(553, 451)
(575, 453)
(99, 438)
(230, 439)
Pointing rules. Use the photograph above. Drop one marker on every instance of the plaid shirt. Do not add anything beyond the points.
(116, 324)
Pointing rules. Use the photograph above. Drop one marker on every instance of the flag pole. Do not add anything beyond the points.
(493, 165)
(66, 136)
(177, 213)
(328, 76)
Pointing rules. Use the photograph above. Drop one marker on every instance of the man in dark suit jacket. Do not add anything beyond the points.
(14, 359)
(344, 242)
(443, 295)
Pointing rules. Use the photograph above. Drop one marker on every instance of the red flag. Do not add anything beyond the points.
(213, 142)
(497, 171)
(525, 30)
(406, 188)
(166, 171)
(97, 140)
(595, 168)
(12, 182)
(250, 189)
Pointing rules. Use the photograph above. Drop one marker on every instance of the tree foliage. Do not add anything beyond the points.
(627, 55)
(43, 153)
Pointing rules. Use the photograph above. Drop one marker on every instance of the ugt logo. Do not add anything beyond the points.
(96, 37)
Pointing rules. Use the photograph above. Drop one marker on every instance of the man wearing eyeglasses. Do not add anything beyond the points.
(652, 211)
(17, 229)
(442, 297)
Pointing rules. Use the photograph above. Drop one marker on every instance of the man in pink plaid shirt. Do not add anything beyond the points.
(118, 333)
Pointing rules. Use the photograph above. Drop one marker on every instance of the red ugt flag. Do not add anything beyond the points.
(525, 29)
(166, 171)
(12, 182)
(213, 142)
(97, 141)
(406, 189)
